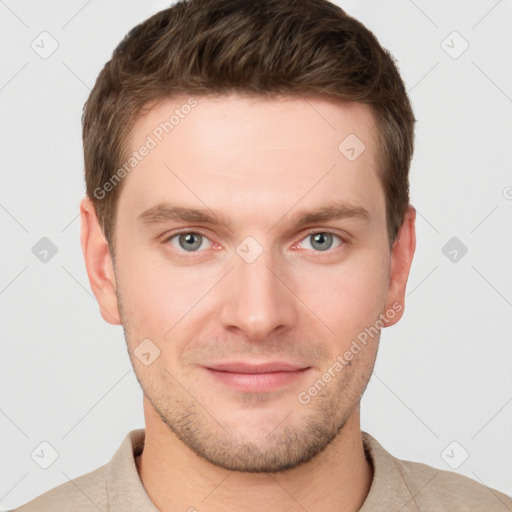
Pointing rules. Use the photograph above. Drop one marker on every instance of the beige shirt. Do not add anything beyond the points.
(397, 485)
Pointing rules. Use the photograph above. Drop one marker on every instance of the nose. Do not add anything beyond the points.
(257, 299)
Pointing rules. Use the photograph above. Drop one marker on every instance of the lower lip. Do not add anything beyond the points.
(257, 382)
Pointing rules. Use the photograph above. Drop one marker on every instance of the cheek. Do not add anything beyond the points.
(349, 297)
(160, 299)
(150, 294)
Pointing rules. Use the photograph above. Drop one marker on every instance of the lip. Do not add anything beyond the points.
(265, 367)
(252, 377)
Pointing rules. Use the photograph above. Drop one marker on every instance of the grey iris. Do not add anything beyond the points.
(321, 241)
(190, 241)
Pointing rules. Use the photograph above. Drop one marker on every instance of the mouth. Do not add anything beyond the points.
(262, 377)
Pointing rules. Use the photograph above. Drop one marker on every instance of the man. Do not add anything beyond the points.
(247, 222)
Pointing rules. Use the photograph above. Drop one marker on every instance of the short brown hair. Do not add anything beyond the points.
(258, 47)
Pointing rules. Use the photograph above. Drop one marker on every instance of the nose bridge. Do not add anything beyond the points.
(255, 300)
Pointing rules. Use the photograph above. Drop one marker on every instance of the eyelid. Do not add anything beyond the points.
(331, 231)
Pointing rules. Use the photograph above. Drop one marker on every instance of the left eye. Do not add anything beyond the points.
(321, 241)
(189, 241)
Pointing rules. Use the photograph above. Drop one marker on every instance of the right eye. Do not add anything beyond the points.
(189, 241)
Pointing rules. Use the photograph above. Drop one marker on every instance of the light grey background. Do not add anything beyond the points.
(443, 374)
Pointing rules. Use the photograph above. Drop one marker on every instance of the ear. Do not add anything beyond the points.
(400, 265)
(98, 263)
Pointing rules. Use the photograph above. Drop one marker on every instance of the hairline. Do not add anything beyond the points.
(151, 104)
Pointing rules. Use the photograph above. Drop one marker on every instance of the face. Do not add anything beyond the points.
(251, 253)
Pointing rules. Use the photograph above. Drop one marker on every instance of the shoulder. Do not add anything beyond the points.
(431, 488)
(87, 493)
(110, 487)
(414, 486)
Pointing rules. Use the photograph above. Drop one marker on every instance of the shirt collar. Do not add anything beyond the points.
(389, 490)
(124, 486)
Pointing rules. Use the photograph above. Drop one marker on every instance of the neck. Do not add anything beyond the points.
(175, 478)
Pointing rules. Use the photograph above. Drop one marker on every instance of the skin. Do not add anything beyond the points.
(232, 155)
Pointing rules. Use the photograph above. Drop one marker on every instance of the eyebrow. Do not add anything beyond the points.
(336, 210)
(164, 212)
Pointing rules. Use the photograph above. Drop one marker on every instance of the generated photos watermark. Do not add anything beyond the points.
(152, 140)
(361, 341)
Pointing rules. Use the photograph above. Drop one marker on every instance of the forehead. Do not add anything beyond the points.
(252, 152)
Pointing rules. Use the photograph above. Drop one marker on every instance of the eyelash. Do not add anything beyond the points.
(309, 233)
(324, 232)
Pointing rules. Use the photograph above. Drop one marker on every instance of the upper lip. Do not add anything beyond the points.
(266, 367)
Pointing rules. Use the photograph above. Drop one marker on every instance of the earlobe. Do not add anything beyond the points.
(98, 262)
(401, 260)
